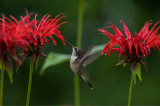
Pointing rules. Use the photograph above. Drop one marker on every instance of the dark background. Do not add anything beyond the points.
(111, 83)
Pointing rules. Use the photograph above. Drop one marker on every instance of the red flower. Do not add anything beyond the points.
(133, 48)
(12, 37)
(39, 33)
(46, 28)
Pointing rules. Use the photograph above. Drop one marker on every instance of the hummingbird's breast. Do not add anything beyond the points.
(74, 64)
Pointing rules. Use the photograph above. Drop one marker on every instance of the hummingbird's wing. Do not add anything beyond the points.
(85, 54)
(91, 58)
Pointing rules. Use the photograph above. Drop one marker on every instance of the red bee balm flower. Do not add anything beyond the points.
(134, 49)
(38, 33)
(46, 27)
(12, 37)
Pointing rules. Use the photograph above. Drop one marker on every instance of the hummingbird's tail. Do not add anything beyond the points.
(87, 81)
(89, 84)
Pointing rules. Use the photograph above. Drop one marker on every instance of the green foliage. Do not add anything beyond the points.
(120, 62)
(137, 72)
(9, 71)
(54, 59)
(98, 48)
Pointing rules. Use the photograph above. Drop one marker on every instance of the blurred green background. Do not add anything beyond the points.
(110, 82)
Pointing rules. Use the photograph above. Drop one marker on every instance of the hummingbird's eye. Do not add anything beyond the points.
(76, 49)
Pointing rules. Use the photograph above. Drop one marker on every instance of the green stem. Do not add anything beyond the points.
(76, 90)
(2, 81)
(130, 90)
(30, 82)
(79, 40)
(80, 23)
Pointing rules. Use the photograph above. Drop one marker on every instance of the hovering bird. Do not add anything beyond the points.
(79, 60)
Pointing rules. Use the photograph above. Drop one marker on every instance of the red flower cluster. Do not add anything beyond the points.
(133, 48)
(28, 35)
(12, 35)
(38, 34)
(46, 28)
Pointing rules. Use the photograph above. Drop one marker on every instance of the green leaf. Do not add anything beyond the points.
(124, 65)
(120, 62)
(54, 59)
(98, 48)
(9, 71)
(10, 74)
(134, 76)
(138, 72)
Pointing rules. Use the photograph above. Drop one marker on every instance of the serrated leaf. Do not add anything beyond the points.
(138, 72)
(54, 59)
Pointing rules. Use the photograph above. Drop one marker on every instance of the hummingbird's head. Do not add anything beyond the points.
(75, 51)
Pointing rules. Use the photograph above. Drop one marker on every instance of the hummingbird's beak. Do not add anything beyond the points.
(69, 43)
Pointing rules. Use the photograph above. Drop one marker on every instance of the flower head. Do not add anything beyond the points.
(12, 37)
(39, 32)
(46, 28)
(134, 47)
(12, 34)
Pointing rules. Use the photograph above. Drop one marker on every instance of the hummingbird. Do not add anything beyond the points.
(79, 60)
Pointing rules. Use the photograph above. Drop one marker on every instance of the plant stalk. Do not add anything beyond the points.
(30, 82)
(79, 40)
(2, 81)
(130, 90)
(76, 91)
(80, 23)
